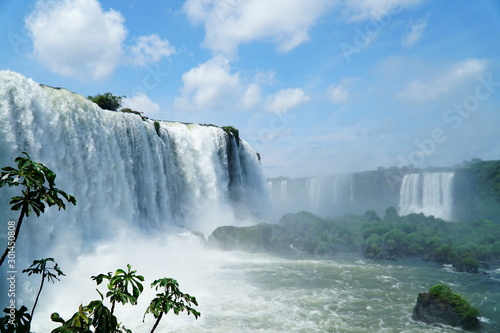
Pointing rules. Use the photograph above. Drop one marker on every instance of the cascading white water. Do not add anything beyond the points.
(270, 189)
(121, 171)
(429, 193)
(410, 200)
(284, 190)
(315, 194)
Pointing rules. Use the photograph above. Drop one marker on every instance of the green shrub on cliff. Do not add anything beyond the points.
(107, 101)
(231, 131)
(461, 305)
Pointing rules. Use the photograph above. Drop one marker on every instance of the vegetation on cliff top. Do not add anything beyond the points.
(231, 131)
(107, 101)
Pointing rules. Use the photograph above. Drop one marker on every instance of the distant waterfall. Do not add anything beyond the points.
(429, 193)
(315, 198)
(284, 190)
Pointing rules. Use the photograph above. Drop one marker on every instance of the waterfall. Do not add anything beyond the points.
(121, 171)
(410, 195)
(270, 189)
(429, 193)
(284, 190)
(315, 194)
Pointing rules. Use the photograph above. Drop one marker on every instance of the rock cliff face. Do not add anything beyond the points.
(431, 309)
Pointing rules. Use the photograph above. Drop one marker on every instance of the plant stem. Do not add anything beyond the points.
(37, 296)
(18, 227)
(156, 322)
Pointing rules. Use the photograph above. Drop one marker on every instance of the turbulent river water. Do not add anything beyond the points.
(243, 292)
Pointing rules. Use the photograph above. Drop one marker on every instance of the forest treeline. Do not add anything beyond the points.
(466, 246)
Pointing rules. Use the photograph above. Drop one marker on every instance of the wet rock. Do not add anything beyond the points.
(431, 309)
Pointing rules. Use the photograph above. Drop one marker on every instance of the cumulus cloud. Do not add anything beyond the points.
(214, 86)
(285, 100)
(457, 74)
(360, 10)
(141, 102)
(76, 37)
(79, 38)
(230, 23)
(209, 86)
(150, 49)
(414, 34)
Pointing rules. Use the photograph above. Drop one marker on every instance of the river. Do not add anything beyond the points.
(245, 292)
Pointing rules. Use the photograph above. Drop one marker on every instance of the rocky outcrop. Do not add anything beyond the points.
(432, 309)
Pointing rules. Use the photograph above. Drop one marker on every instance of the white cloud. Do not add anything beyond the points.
(266, 78)
(457, 74)
(252, 96)
(339, 93)
(286, 99)
(414, 34)
(141, 102)
(360, 10)
(151, 49)
(77, 37)
(230, 23)
(209, 86)
(214, 86)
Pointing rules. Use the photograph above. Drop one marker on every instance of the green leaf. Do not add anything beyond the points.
(56, 318)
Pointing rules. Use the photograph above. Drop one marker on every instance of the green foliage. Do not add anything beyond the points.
(39, 189)
(40, 267)
(461, 305)
(406, 227)
(16, 321)
(470, 264)
(495, 250)
(391, 215)
(231, 131)
(459, 244)
(124, 286)
(170, 299)
(371, 216)
(415, 249)
(157, 127)
(376, 228)
(477, 190)
(94, 315)
(48, 273)
(487, 174)
(39, 186)
(107, 101)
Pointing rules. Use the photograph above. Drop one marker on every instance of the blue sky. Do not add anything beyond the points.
(315, 86)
